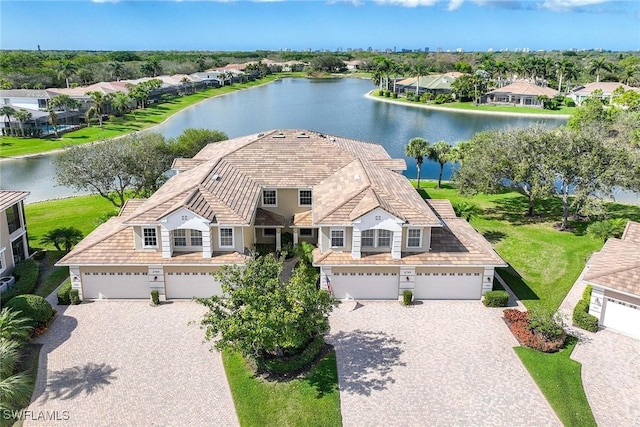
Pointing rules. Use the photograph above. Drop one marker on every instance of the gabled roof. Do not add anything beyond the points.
(606, 87)
(525, 88)
(433, 81)
(617, 265)
(10, 198)
(24, 93)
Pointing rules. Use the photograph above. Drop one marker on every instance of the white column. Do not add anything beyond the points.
(356, 244)
(207, 243)
(155, 275)
(407, 279)
(278, 241)
(165, 238)
(396, 245)
(487, 280)
(295, 236)
(325, 273)
(596, 302)
(76, 279)
(255, 237)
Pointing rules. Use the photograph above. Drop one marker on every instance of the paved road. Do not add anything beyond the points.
(125, 363)
(436, 363)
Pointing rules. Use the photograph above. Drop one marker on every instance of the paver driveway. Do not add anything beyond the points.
(436, 363)
(125, 363)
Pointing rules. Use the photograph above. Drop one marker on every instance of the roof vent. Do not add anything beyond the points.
(278, 135)
(333, 139)
(356, 177)
(215, 177)
(260, 134)
(303, 135)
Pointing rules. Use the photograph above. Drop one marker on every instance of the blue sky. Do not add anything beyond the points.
(298, 25)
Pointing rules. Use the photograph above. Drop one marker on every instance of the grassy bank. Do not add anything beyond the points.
(134, 121)
(312, 400)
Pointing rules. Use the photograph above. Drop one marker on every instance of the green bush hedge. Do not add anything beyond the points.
(407, 297)
(63, 293)
(291, 364)
(26, 273)
(33, 307)
(496, 299)
(582, 318)
(155, 297)
(74, 297)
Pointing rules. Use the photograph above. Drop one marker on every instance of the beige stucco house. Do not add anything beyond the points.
(14, 246)
(375, 235)
(580, 93)
(520, 93)
(614, 274)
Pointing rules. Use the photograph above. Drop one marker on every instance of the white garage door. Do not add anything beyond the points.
(118, 285)
(623, 317)
(452, 285)
(362, 285)
(186, 285)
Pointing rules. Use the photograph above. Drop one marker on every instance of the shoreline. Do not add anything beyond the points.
(456, 110)
(59, 150)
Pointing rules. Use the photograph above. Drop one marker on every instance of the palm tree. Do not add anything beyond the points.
(598, 65)
(562, 67)
(8, 111)
(85, 75)
(304, 250)
(152, 66)
(53, 119)
(630, 75)
(420, 68)
(64, 102)
(22, 116)
(15, 389)
(466, 210)
(66, 237)
(98, 99)
(439, 152)
(607, 228)
(65, 70)
(13, 326)
(117, 70)
(121, 102)
(417, 148)
(460, 151)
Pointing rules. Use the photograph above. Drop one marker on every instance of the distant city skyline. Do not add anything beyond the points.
(469, 25)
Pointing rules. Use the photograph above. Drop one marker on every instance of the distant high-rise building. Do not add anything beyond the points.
(439, 50)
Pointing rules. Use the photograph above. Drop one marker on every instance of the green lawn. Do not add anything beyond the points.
(560, 380)
(52, 276)
(312, 400)
(135, 121)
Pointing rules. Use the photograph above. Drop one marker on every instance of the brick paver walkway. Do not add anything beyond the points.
(436, 363)
(125, 363)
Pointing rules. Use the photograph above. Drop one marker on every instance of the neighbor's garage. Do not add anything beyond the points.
(622, 316)
(186, 283)
(109, 283)
(448, 284)
(379, 283)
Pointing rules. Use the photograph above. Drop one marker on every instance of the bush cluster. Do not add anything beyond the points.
(581, 317)
(63, 293)
(26, 273)
(155, 297)
(496, 299)
(407, 297)
(520, 326)
(33, 307)
(293, 363)
(74, 297)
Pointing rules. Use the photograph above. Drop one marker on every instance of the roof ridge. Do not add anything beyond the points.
(347, 200)
(77, 250)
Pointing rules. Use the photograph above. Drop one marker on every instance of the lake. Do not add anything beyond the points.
(331, 106)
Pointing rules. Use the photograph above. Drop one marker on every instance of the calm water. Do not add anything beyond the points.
(335, 107)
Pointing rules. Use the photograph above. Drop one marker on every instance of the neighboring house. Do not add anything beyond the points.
(375, 235)
(14, 246)
(435, 84)
(355, 65)
(581, 93)
(614, 273)
(520, 93)
(29, 99)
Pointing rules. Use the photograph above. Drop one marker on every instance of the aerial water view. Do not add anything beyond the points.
(320, 213)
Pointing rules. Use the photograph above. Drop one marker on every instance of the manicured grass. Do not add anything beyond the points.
(51, 277)
(312, 400)
(83, 212)
(545, 262)
(134, 121)
(559, 378)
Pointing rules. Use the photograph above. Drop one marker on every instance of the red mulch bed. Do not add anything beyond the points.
(519, 325)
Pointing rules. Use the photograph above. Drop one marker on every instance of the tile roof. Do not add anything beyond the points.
(302, 219)
(266, 218)
(10, 198)
(24, 93)
(442, 208)
(617, 265)
(606, 87)
(525, 88)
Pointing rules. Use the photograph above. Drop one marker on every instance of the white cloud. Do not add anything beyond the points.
(566, 5)
(105, 1)
(407, 3)
(454, 4)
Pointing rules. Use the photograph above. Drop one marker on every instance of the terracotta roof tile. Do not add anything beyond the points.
(303, 219)
(632, 232)
(266, 218)
(10, 198)
(525, 88)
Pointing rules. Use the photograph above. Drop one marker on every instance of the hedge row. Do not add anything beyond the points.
(496, 299)
(33, 307)
(581, 317)
(26, 273)
(291, 364)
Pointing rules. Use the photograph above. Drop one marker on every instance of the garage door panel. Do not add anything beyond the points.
(98, 285)
(185, 285)
(448, 286)
(622, 317)
(365, 286)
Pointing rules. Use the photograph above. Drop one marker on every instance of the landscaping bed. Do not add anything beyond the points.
(528, 335)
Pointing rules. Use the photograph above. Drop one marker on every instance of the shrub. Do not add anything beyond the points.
(155, 297)
(394, 95)
(74, 297)
(380, 92)
(293, 363)
(496, 299)
(410, 96)
(407, 297)
(581, 317)
(387, 94)
(33, 307)
(26, 273)
(547, 322)
(63, 293)
(443, 98)
(569, 102)
(520, 327)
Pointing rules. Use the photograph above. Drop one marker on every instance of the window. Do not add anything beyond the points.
(226, 237)
(269, 198)
(304, 197)
(180, 237)
(384, 238)
(196, 238)
(337, 238)
(368, 238)
(149, 238)
(308, 232)
(42, 103)
(13, 218)
(414, 238)
(268, 232)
